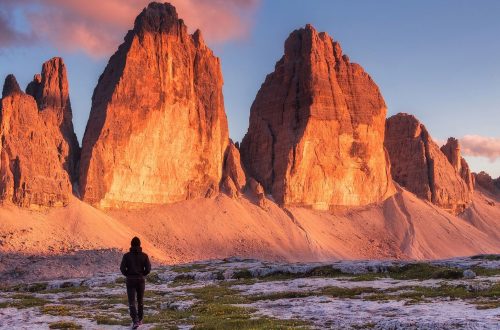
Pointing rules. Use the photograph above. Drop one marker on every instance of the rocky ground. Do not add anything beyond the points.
(459, 293)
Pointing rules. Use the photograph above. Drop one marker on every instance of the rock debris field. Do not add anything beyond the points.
(459, 293)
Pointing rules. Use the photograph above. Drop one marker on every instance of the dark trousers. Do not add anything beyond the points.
(135, 289)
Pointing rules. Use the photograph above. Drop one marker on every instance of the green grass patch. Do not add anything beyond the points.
(218, 294)
(486, 257)
(56, 310)
(68, 289)
(153, 278)
(423, 271)
(482, 297)
(367, 277)
(64, 325)
(283, 295)
(242, 274)
(221, 316)
(338, 292)
(110, 320)
(481, 271)
(25, 301)
(183, 279)
(187, 268)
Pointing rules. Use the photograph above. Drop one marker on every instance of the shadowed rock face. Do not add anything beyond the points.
(317, 128)
(10, 86)
(452, 151)
(420, 166)
(157, 130)
(233, 168)
(39, 150)
(485, 181)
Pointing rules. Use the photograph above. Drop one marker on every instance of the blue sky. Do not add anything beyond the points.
(439, 60)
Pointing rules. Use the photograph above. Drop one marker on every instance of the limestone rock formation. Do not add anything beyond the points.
(10, 86)
(233, 167)
(157, 130)
(421, 167)
(257, 192)
(36, 157)
(485, 181)
(452, 151)
(317, 128)
(51, 92)
(229, 188)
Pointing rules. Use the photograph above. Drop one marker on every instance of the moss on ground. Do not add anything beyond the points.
(187, 268)
(487, 257)
(111, 320)
(56, 310)
(183, 279)
(423, 271)
(64, 325)
(481, 271)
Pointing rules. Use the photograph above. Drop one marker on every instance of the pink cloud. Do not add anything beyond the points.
(97, 27)
(482, 146)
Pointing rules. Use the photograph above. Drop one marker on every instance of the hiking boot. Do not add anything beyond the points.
(135, 325)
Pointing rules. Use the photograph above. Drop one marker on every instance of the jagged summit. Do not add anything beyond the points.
(159, 18)
(10, 86)
(317, 128)
(157, 130)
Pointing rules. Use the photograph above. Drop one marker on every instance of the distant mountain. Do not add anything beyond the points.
(39, 151)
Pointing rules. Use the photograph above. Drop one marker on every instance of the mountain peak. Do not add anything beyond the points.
(10, 86)
(159, 18)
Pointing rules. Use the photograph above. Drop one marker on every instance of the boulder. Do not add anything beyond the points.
(316, 128)
(157, 130)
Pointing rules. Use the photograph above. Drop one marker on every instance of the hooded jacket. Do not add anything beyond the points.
(135, 264)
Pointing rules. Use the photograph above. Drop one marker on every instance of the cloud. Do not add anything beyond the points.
(476, 145)
(97, 27)
(8, 34)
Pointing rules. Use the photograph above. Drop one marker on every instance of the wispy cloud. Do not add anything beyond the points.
(98, 26)
(9, 35)
(476, 145)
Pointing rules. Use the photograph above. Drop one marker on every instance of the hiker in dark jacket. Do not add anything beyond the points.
(135, 265)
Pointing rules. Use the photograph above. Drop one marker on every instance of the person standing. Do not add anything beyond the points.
(135, 266)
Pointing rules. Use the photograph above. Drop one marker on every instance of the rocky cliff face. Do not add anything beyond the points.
(233, 173)
(452, 151)
(317, 128)
(39, 150)
(485, 181)
(157, 130)
(418, 164)
(51, 92)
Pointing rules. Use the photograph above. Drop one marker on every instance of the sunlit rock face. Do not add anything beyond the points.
(157, 130)
(419, 165)
(39, 151)
(317, 128)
